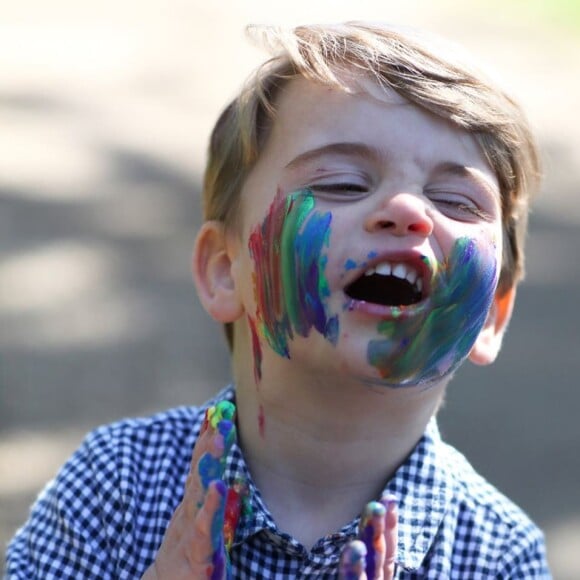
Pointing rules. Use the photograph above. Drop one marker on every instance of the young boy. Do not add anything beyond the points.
(366, 198)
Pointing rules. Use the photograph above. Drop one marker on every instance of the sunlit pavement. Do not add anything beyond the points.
(106, 108)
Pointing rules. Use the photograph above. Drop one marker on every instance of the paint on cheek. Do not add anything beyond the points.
(351, 264)
(289, 280)
(423, 348)
(257, 350)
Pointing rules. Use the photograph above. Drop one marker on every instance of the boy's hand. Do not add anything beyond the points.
(193, 546)
(372, 556)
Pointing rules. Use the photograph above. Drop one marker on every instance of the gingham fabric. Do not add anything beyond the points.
(105, 514)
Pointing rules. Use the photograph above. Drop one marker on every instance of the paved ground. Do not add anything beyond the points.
(105, 113)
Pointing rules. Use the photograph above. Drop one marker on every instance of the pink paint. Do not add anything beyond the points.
(257, 350)
(262, 422)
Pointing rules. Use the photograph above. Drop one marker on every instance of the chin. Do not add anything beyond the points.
(378, 383)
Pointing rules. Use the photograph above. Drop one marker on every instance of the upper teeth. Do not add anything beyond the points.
(399, 270)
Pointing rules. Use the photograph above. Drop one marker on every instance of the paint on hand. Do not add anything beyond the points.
(218, 558)
(236, 503)
(423, 348)
(353, 561)
(210, 469)
(371, 533)
(220, 418)
(223, 410)
(289, 281)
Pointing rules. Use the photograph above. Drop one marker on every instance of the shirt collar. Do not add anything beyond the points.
(424, 491)
(255, 516)
(422, 486)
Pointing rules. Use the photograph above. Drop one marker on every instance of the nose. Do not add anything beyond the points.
(401, 214)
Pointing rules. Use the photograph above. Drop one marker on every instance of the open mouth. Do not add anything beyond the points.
(388, 284)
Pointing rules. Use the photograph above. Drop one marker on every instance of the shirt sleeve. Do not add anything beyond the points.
(72, 527)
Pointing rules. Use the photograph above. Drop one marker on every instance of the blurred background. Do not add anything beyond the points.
(105, 111)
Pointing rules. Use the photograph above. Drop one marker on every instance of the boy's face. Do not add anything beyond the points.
(370, 238)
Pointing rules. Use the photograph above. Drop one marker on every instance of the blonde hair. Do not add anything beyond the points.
(421, 70)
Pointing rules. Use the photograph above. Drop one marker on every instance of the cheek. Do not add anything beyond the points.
(290, 286)
(471, 279)
(426, 348)
(471, 267)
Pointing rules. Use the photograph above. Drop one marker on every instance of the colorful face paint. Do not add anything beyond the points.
(256, 350)
(289, 281)
(425, 347)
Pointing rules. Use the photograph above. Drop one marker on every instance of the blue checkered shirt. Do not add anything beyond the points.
(105, 514)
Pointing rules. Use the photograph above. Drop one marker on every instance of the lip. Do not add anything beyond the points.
(418, 261)
(385, 312)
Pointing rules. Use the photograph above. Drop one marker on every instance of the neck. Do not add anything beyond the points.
(320, 449)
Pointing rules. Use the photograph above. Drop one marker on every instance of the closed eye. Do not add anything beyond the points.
(346, 190)
(460, 208)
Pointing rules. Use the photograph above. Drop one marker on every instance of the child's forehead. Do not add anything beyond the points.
(311, 115)
(347, 83)
(308, 110)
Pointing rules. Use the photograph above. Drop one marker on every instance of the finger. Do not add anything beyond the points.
(193, 496)
(353, 561)
(372, 534)
(236, 496)
(207, 545)
(209, 454)
(218, 557)
(219, 422)
(212, 464)
(391, 535)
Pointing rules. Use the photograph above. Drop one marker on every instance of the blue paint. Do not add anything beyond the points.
(429, 345)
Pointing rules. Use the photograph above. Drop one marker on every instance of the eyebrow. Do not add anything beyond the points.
(354, 149)
(459, 170)
(364, 151)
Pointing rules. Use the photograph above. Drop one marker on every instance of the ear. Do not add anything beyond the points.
(213, 273)
(488, 343)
